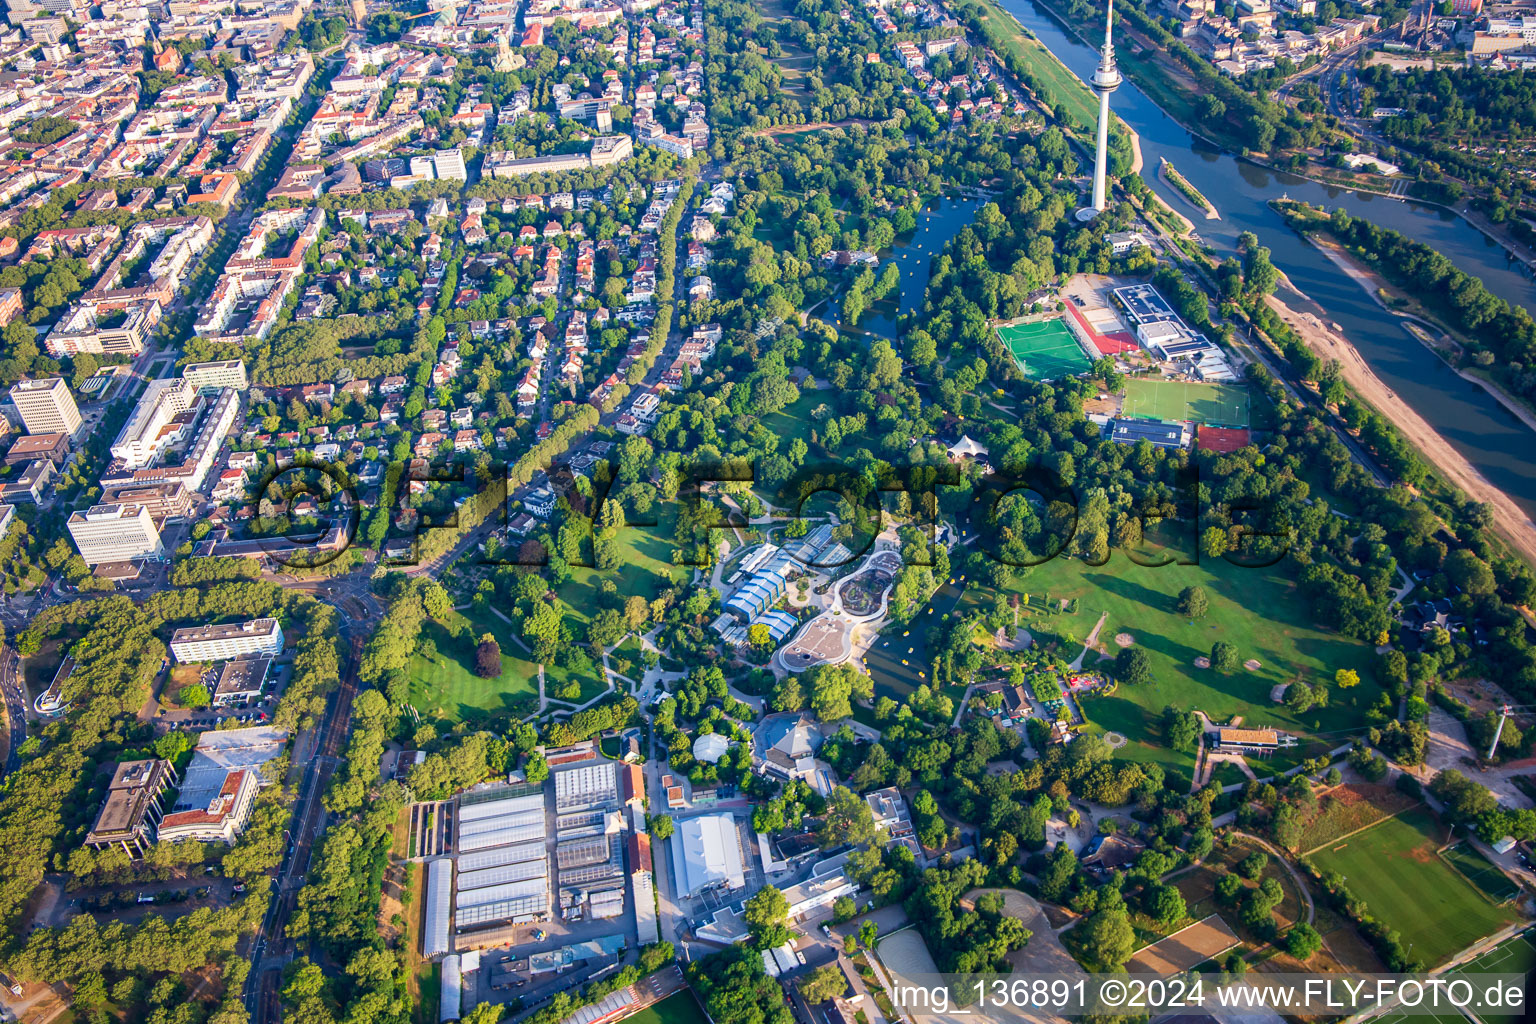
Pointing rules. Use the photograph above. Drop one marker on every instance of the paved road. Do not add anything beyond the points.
(15, 697)
(272, 949)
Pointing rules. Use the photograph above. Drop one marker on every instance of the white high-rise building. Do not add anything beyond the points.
(114, 533)
(228, 640)
(226, 373)
(1106, 79)
(46, 406)
(449, 164)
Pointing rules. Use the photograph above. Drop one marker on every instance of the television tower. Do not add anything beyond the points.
(1106, 79)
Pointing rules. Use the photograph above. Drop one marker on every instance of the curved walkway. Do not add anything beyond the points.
(1280, 855)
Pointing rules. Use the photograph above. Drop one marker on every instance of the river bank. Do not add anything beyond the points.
(1462, 211)
(1374, 285)
(1510, 521)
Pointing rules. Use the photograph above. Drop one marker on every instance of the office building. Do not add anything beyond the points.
(46, 406)
(216, 815)
(220, 785)
(131, 810)
(229, 640)
(114, 533)
(449, 165)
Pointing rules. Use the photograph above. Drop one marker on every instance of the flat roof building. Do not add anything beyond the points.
(114, 533)
(225, 373)
(131, 810)
(707, 854)
(1155, 432)
(228, 640)
(29, 447)
(241, 680)
(434, 933)
(586, 787)
(150, 429)
(46, 406)
(219, 787)
(217, 816)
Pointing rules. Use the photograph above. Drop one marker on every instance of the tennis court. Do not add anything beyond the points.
(1045, 349)
(1174, 400)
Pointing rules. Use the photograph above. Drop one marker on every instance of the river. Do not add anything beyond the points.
(1496, 443)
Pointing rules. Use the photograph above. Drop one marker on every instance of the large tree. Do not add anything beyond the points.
(1193, 602)
(847, 821)
(1133, 666)
(767, 914)
(825, 982)
(488, 657)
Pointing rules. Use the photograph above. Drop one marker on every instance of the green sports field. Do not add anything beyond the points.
(678, 1008)
(1045, 349)
(1393, 868)
(1220, 405)
(1419, 1016)
(1517, 956)
(1473, 866)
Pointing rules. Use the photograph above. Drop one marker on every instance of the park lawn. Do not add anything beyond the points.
(445, 687)
(1394, 869)
(1227, 774)
(645, 568)
(1057, 82)
(1260, 610)
(678, 1008)
(591, 682)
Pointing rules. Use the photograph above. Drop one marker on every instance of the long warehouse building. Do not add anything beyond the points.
(505, 873)
(434, 936)
(484, 825)
(498, 807)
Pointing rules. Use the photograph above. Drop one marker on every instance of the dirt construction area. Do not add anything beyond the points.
(1185, 949)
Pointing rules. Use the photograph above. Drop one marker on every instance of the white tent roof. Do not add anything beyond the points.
(966, 447)
(710, 747)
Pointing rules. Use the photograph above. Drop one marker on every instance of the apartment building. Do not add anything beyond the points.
(225, 373)
(228, 640)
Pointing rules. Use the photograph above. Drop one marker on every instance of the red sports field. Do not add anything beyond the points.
(1221, 439)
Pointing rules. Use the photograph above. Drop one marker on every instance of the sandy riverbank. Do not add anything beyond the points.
(1373, 284)
(1510, 522)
